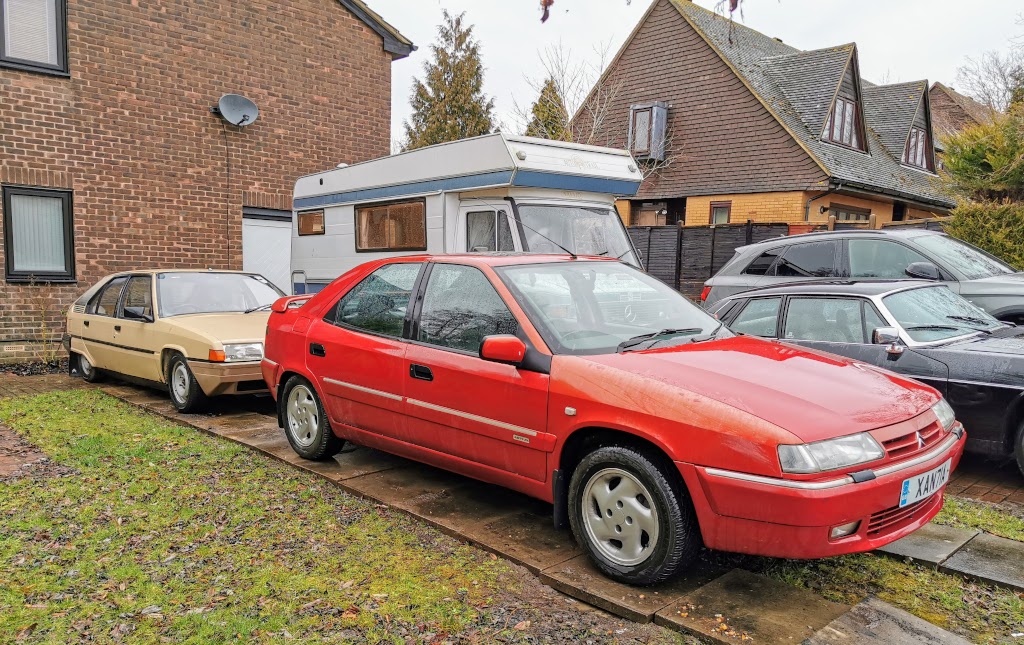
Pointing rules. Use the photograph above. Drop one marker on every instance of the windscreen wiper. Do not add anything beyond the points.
(936, 327)
(636, 340)
(972, 319)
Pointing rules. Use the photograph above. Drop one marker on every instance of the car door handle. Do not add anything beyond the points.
(421, 372)
(117, 327)
(316, 349)
(85, 322)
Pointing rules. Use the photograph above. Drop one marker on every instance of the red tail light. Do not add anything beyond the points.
(704, 294)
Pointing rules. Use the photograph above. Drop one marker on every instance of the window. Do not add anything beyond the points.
(461, 308)
(918, 152)
(931, 314)
(830, 320)
(311, 223)
(759, 318)
(641, 131)
(401, 226)
(587, 231)
(138, 298)
(38, 235)
(849, 213)
(720, 212)
(379, 303)
(843, 125)
(763, 264)
(105, 302)
(33, 35)
(488, 231)
(213, 292)
(811, 260)
(881, 259)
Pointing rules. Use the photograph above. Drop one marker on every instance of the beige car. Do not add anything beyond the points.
(198, 333)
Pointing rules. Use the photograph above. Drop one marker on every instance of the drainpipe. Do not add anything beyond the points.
(807, 206)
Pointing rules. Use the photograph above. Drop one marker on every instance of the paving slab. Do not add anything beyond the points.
(401, 486)
(931, 544)
(526, 536)
(582, 580)
(991, 559)
(873, 622)
(740, 605)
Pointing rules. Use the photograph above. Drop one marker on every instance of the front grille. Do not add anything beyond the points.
(907, 444)
(894, 518)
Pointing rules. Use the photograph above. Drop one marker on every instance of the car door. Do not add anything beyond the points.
(485, 230)
(357, 351)
(459, 404)
(98, 324)
(136, 345)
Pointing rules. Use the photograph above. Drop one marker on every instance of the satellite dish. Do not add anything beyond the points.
(236, 110)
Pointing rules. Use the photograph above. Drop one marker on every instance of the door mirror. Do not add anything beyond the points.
(888, 336)
(503, 349)
(923, 270)
(137, 313)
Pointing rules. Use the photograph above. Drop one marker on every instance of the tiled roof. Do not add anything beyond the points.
(394, 42)
(945, 124)
(890, 110)
(799, 87)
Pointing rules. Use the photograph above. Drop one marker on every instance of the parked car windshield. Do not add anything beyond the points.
(592, 307)
(208, 293)
(970, 262)
(586, 231)
(935, 313)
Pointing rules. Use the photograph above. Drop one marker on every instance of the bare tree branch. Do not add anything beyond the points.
(993, 79)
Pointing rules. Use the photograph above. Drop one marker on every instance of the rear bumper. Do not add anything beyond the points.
(228, 378)
(787, 519)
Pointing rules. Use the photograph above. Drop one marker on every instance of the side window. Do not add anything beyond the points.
(378, 304)
(138, 297)
(105, 302)
(460, 308)
(830, 320)
(872, 321)
(764, 262)
(881, 259)
(401, 226)
(758, 318)
(809, 260)
(488, 231)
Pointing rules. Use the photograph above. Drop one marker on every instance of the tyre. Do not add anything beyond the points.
(305, 422)
(1018, 448)
(88, 371)
(186, 395)
(632, 515)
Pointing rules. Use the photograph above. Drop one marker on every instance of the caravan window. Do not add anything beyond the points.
(488, 231)
(400, 226)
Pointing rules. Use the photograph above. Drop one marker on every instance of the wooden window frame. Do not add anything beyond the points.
(61, 68)
(863, 214)
(916, 135)
(632, 127)
(711, 213)
(386, 249)
(68, 211)
(830, 134)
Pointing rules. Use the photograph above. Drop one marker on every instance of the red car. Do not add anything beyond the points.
(591, 385)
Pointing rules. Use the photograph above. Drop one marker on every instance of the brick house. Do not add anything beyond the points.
(953, 112)
(110, 157)
(736, 125)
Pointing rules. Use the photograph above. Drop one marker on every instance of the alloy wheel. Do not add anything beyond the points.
(620, 517)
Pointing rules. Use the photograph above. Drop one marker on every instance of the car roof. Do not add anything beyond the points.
(503, 258)
(850, 233)
(156, 271)
(836, 288)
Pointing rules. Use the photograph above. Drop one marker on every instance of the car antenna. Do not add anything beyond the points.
(520, 222)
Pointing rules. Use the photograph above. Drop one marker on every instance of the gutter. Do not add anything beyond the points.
(807, 206)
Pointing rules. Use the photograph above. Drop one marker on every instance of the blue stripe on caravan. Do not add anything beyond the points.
(534, 179)
(388, 192)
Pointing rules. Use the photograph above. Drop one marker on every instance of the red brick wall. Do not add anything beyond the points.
(131, 131)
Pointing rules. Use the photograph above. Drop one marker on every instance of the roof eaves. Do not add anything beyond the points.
(394, 42)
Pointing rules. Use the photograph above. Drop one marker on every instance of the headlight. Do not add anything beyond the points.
(945, 413)
(830, 454)
(243, 352)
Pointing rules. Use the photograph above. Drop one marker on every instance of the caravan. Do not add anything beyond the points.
(494, 193)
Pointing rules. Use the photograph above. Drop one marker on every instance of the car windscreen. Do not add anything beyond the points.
(592, 307)
(930, 314)
(206, 293)
(971, 263)
(586, 231)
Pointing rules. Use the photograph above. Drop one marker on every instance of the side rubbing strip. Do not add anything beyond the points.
(360, 388)
(474, 417)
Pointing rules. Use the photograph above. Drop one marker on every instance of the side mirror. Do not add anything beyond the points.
(888, 336)
(503, 349)
(923, 270)
(137, 313)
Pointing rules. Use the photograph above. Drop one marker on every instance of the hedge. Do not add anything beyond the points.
(995, 227)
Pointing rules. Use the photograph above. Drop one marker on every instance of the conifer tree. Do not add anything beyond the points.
(550, 117)
(449, 103)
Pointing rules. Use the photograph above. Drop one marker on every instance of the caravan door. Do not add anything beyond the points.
(485, 227)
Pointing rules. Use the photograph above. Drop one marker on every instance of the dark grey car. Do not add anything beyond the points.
(917, 328)
(894, 254)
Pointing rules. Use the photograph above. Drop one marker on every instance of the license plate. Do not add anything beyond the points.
(924, 485)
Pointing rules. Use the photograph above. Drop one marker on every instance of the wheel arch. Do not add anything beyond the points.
(165, 357)
(286, 376)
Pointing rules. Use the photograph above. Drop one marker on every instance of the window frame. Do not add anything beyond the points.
(124, 296)
(387, 204)
(62, 68)
(711, 213)
(834, 208)
(67, 210)
(94, 302)
(301, 214)
(863, 302)
(783, 308)
(916, 134)
(830, 125)
(632, 130)
(330, 317)
(837, 259)
(498, 216)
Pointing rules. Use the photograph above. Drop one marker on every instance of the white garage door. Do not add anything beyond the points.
(267, 249)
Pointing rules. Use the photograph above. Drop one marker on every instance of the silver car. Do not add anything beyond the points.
(895, 254)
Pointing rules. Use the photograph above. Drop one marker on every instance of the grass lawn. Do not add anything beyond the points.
(164, 534)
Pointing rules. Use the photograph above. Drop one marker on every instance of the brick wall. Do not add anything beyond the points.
(760, 207)
(132, 134)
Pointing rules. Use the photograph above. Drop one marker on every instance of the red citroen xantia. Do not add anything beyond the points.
(591, 385)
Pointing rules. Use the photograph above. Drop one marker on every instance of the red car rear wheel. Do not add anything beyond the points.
(305, 422)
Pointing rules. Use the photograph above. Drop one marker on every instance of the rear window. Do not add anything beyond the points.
(809, 260)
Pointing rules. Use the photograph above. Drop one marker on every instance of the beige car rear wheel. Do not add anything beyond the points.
(88, 371)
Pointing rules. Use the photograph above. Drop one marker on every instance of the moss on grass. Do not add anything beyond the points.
(964, 513)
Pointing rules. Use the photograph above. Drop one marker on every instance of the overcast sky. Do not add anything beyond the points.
(898, 40)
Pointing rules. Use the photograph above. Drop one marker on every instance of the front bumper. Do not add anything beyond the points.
(789, 519)
(228, 378)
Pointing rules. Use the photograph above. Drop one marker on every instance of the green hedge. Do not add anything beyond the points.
(995, 227)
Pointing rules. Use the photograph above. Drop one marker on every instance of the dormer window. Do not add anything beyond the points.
(843, 125)
(918, 152)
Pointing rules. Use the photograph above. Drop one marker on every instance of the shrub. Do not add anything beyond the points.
(997, 228)
(986, 162)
